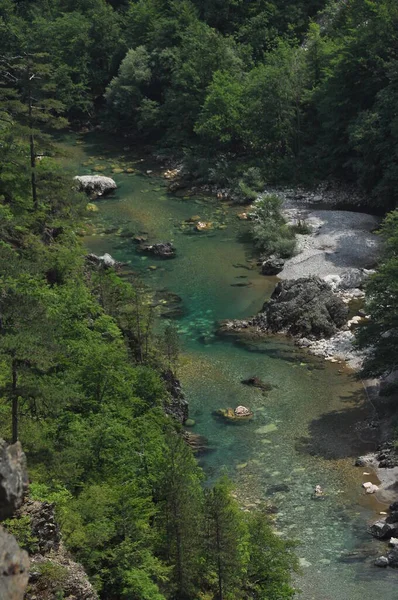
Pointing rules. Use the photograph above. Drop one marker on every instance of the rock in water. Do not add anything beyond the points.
(95, 185)
(303, 307)
(14, 572)
(161, 249)
(258, 383)
(382, 530)
(370, 488)
(13, 478)
(242, 411)
(393, 557)
(393, 542)
(272, 265)
(381, 561)
(106, 261)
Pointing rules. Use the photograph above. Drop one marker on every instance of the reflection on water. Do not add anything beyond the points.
(304, 429)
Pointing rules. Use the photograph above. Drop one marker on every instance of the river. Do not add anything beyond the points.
(304, 431)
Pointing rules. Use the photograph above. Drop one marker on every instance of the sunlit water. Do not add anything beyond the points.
(304, 430)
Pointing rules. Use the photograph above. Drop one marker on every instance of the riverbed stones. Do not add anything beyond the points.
(382, 530)
(95, 185)
(381, 561)
(159, 249)
(393, 542)
(370, 488)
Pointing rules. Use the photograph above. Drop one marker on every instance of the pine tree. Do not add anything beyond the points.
(181, 516)
(27, 95)
(227, 542)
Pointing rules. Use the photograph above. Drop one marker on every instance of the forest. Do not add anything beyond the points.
(245, 93)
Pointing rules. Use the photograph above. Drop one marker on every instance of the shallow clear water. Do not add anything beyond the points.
(304, 431)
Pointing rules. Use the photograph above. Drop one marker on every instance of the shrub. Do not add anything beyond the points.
(21, 529)
(270, 231)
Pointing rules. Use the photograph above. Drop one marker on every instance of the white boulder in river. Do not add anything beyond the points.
(97, 185)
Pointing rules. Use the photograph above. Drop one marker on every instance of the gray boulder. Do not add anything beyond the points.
(382, 530)
(106, 261)
(303, 307)
(382, 561)
(14, 571)
(13, 478)
(95, 185)
(393, 557)
(272, 265)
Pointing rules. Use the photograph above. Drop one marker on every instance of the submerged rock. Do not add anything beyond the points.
(381, 561)
(197, 442)
(95, 185)
(160, 249)
(258, 383)
(203, 226)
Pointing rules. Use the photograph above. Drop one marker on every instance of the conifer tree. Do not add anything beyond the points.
(227, 542)
(27, 95)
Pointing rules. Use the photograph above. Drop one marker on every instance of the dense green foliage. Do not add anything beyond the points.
(81, 387)
(246, 93)
(380, 335)
(270, 231)
(301, 90)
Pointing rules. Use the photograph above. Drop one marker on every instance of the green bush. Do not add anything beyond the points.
(52, 577)
(20, 528)
(271, 233)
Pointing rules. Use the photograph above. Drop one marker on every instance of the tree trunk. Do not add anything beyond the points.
(32, 144)
(14, 402)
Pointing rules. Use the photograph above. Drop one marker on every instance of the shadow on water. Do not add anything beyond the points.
(351, 427)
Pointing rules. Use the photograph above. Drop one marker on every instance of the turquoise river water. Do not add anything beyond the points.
(304, 430)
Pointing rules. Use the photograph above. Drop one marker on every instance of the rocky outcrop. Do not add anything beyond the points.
(14, 568)
(160, 249)
(13, 478)
(43, 524)
(14, 562)
(303, 307)
(68, 578)
(175, 405)
(95, 185)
